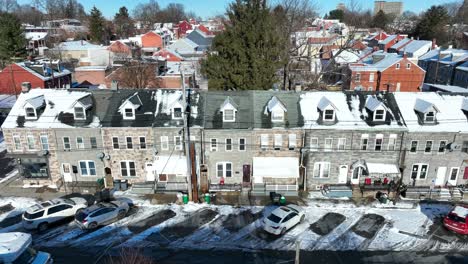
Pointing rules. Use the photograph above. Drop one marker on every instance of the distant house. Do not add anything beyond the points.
(39, 75)
(440, 65)
(389, 41)
(386, 72)
(412, 48)
(120, 51)
(201, 39)
(182, 28)
(168, 55)
(93, 74)
(74, 49)
(373, 39)
(150, 43)
(460, 77)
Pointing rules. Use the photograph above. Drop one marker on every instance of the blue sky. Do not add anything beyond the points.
(207, 8)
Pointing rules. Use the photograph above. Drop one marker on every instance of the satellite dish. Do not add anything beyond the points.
(107, 157)
(101, 155)
(44, 153)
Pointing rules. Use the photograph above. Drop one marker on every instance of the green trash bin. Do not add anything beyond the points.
(207, 198)
(185, 198)
(282, 200)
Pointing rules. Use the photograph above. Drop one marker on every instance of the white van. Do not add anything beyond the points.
(16, 248)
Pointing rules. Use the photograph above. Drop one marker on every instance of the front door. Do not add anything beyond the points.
(453, 176)
(343, 176)
(357, 173)
(149, 172)
(66, 170)
(109, 181)
(441, 172)
(246, 173)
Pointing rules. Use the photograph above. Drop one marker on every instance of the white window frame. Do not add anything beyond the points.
(181, 113)
(408, 66)
(17, 146)
(411, 146)
(314, 144)
(383, 115)
(341, 145)
(278, 144)
(328, 147)
(418, 175)
(228, 144)
(430, 149)
(325, 114)
(392, 142)
(128, 144)
(433, 118)
(142, 144)
(164, 142)
(46, 142)
(224, 169)
(95, 145)
(178, 146)
(364, 137)
(113, 143)
(87, 168)
(397, 66)
(451, 171)
(31, 142)
(65, 144)
(127, 168)
(277, 116)
(213, 144)
(371, 77)
(225, 119)
(264, 140)
(445, 146)
(132, 117)
(26, 113)
(292, 141)
(80, 145)
(377, 137)
(242, 145)
(358, 77)
(76, 115)
(321, 167)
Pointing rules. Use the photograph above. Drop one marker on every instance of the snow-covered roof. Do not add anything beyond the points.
(388, 39)
(35, 102)
(40, 74)
(450, 117)
(77, 45)
(325, 103)
(275, 102)
(12, 245)
(175, 164)
(56, 102)
(7, 100)
(382, 168)
(388, 60)
(276, 167)
(416, 45)
(345, 56)
(460, 211)
(372, 103)
(400, 43)
(228, 102)
(444, 88)
(34, 36)
(423, 106)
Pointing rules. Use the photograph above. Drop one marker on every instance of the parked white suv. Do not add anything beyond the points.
(282, 219)
(102, 214)
(41, 215)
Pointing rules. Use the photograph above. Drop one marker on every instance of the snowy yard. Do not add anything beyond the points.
(329, 225)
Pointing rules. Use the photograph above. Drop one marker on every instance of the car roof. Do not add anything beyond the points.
(282, 211)
(43, 205)
(460, 211)
(98, 206)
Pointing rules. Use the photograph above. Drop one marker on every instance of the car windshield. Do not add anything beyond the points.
(456, 218)
(274, 218)
(69, 201)
(26, 257)
(81, 216)
(33, 215)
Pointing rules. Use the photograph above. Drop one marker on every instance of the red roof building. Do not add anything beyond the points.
(168, 55)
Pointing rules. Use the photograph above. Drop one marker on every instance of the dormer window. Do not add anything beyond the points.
(228, 115)
(379, 115)
(327, 110)
(277, 116)
(329, 115)
(79, 113)
(277, 110)
(30, 113)
(177, 113)
(129, 113)
(429, 117)
(229, 110)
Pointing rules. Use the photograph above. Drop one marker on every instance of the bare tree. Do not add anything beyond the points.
(8, 6)
(137, 74)
(131, 255)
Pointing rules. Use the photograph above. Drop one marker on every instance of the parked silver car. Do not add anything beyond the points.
(102, 214)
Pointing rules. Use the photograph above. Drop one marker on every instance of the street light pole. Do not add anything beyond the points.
(187, 135)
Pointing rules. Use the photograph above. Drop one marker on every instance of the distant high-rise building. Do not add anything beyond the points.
(388, 7)
(341, 6)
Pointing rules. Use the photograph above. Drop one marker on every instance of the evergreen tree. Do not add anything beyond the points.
(123, 23)
(433, 25)
(96, 25)
(336, 14)
(247, 55)
(12, 41)
(380, 20)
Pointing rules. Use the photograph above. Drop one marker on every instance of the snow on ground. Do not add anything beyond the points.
(20, 204)
(9, 176)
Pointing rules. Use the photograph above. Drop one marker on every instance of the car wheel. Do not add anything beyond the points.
(92, 225)
(121, 214)
(283, 231)
(302, 218)
(42, 227)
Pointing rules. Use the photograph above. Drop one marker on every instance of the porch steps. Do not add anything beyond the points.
(142, 188)
(456, 194)
(444, 194)
(258, 189)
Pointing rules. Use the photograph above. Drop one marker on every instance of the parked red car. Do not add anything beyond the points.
(457, 220)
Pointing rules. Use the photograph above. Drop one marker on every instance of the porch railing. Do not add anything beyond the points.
(278, 187)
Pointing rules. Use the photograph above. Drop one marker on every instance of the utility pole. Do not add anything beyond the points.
(298, 252)
(187, 135)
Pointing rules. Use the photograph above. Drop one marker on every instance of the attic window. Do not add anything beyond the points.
(129, 113)
(379, 115)
(329, 115)
(229, 115)
(177, 113)
(79, 113)
(398, 66)
(429, 117)
(277, 116)
(30, 113)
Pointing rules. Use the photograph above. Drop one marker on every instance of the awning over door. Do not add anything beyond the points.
(275, 167)
(170, 165)
(382, 168)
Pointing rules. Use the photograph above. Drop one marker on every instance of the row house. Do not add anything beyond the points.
(413, 49)
(389, 41)
(440, 65)
(383, 71)
(260, 141)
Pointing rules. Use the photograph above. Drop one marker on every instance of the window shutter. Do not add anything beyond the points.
(465, 174)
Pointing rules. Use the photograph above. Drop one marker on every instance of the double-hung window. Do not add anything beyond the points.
(378, 142)
(87, 168)
(442, 145)
(80, 143)
(142, 142)
(414, 146)
(392, 142)
(264, 141)
(241, 144)
(17, 142)
(44, 142)
(428, 147)
(214, 144)
(115, 143)
(93, 142)
(341, 144)
(31, 142)
(129, 142)
(328, 144)
(164, 142)
(178, 142)
(228, 145)
(128, 168)
(364, 141)
(419, 171)
(292, 141)
(314, 144)
(66, 143)
(223, 169)
(321, 170)
(278, 141)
